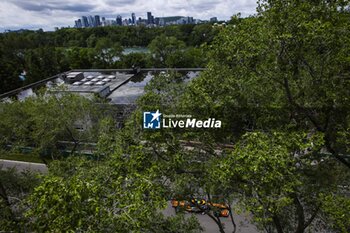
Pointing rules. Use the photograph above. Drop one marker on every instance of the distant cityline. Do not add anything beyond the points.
(151, 21)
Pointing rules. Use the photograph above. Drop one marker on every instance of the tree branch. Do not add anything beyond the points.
(313, 216)
(300, 214)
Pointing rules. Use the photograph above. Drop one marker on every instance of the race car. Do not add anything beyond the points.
(201, 206)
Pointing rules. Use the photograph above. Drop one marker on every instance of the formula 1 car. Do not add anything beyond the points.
(201, 206)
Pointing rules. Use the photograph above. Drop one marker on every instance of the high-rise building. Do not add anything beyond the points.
(84, 22)
(150, 18)
(156, 21)
(213, 19)
(133, 18)
(97, 21)
(78, 23)
(119, 20)
(91, 21)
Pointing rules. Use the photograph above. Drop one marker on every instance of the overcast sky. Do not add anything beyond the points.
(48, 14)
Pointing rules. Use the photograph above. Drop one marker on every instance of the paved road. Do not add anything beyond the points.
(243, 225)
(23, 166)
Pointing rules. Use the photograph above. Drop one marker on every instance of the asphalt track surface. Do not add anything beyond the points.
(23, 166)
(242, 222)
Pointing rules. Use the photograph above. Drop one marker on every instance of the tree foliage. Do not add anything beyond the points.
(279, 83)
(121, 194)
(42, 121)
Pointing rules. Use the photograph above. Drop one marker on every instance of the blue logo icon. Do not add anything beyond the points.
(151, 120)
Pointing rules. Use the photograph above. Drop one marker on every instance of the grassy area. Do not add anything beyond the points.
(33, 158)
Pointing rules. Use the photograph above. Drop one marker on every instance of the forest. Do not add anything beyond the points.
(279, 81)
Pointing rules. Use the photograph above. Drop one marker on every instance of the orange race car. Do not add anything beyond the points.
(201, 206)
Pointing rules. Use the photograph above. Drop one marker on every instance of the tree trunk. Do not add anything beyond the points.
(277, 223)
(232, 220)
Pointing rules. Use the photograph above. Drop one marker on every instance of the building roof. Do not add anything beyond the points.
(118, 86)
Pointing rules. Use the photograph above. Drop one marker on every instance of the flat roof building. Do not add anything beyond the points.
(120, 88)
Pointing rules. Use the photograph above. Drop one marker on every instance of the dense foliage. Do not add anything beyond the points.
(278, 81)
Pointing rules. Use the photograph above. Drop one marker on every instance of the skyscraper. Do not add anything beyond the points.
(133, 18)
(119, 20)
(150, 18)
(91, 21)
(97, 21)
(78, 23)
(84, 22)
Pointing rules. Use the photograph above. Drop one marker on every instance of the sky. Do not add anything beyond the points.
(48, 14)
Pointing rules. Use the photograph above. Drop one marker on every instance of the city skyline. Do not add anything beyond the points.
(89, 21)
(28, 14)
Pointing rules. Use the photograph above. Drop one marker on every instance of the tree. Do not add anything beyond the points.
(202, 33)
(267, 65)
(282, 70)
(107, 53)
(134, 60)
(279, 177)
(41, 122)
(166, 51)
(11, 66)
(183, 167)
(116, 195)
(80, 58)
(270, 175)
(122, 191)
(91, 41)
(44, 62)
(14, 188)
